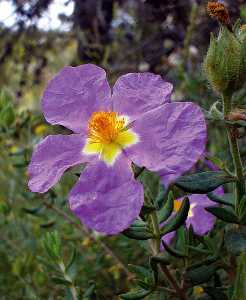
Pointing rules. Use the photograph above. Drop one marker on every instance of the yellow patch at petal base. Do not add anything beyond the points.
(108, 152)
(177, 204)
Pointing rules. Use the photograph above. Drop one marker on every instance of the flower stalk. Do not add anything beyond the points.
(235, 152)
(155, 247)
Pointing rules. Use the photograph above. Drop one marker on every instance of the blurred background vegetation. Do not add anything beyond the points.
(39, 37)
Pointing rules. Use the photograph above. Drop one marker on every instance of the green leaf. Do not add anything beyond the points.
(60, 280)
(138, 223)
(34, 210)
(204, 182)
(150, 181)
(5, 99)
(71, 260)
(135, 295)
(178, 220)
(235, 240)
(147, 209)
(224, 214)
(240, 286)
(138, 233)
(165, 212)
(242, 210)
(49, 224)
(173, 252)
(7, 116)
(201, 274)
(140, 271)
(52, 244)
(215, 293)
(182, 236)
(226, 199)
(160, 259)
(90, 291)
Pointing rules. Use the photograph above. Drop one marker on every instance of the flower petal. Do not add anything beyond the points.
(52, 157)
(168, 238)
(73, 94)
(137, 93)
(172, 139)
(107, 199)
(201, 220)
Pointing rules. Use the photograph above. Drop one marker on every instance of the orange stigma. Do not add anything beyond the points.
(104, 127)
(219, 11)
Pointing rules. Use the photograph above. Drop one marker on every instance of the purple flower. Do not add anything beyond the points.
(201, 221)
(137, 123)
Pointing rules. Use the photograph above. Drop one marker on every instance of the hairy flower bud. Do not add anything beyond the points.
(225, 62)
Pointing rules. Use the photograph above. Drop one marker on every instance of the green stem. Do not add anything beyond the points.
(71, 287)
(156, 242)
(155, 247)
(235, 153)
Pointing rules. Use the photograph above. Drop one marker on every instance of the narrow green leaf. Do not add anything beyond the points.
(90, 291)
(135, 295)
(7, 116)
(223, 214)
(178, 220)
(138, 233)
(226, 199)
(60, 280)
(49, 224)
(167, 209)
(201, 274)
(240, 286)
(161, 258)
(215, 293)
(173, 252)
(204, 182)
(138, 223)
(71, 260)
(33, 211)
(151, 183)
(140, 271)
(235, 241)
(242, 210)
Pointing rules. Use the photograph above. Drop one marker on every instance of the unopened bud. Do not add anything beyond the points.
(222, 64)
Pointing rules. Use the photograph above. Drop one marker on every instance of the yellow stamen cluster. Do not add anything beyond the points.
(104, 127)
(219, 11)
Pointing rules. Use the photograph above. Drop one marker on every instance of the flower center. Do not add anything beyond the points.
(104, 127)
(108, 135)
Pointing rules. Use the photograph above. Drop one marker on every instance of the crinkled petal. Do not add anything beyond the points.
(52, 157)
(73, 94)
(137, 93)
(107, 199)
(172, 138)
